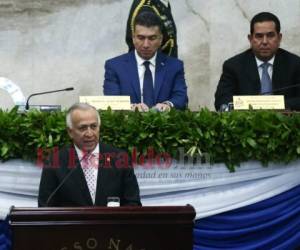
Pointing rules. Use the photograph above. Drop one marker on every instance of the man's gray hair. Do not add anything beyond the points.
(80, 106)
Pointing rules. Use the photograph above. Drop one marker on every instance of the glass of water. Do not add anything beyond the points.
(113, 201)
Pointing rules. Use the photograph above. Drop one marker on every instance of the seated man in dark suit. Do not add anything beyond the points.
(263, 69)
(87, 173)
(151, 78)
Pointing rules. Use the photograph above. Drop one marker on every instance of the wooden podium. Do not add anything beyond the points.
(103, 228)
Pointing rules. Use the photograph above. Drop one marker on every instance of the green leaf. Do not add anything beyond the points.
(251, 142)
(4, 150)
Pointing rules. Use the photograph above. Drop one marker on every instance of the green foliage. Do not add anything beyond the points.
(10, 142)
(231, 138)
(21, 135)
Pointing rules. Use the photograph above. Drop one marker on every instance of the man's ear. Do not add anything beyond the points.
(161, 39)
(69, 130)
(249, 37)
(133, 38)
(280, 36)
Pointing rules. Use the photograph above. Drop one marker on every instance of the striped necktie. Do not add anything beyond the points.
(266, 82)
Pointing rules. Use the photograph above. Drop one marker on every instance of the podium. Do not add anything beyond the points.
(103, 228)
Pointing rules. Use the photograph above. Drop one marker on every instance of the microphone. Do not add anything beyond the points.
(64, 180)
(226, 107)
(46, 92)
(280, 89)
(59, 186)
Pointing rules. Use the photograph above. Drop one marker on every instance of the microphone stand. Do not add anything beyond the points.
(43, 93)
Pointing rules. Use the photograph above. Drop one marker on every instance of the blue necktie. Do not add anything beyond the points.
(148, 92)
(266, 82)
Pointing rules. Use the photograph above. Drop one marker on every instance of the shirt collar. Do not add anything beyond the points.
(140, 61)
(260, 62)
(81, 153)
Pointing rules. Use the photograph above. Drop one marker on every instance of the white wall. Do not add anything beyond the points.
(52, 44)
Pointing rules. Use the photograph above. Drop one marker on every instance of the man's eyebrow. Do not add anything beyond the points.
(90, 124)
(264, 33)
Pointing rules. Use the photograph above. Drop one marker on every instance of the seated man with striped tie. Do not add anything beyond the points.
(151, 78)
(263, 69)
(87, 172)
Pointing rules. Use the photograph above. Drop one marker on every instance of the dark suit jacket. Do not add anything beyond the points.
(240, 77)
(121, 78)
(113, 181)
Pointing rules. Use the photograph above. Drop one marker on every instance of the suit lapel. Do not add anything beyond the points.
(133, 76)
(80, 182)
(100, 174)
(278, 69)
(103, 176)
(160, 70)
(252, 75)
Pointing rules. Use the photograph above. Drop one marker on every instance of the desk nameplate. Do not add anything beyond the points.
(258, 102)
(103, 102)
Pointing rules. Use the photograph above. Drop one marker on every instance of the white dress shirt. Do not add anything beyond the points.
(270, 68)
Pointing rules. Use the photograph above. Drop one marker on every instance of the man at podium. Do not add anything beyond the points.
(88, 172)
(263, 69)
